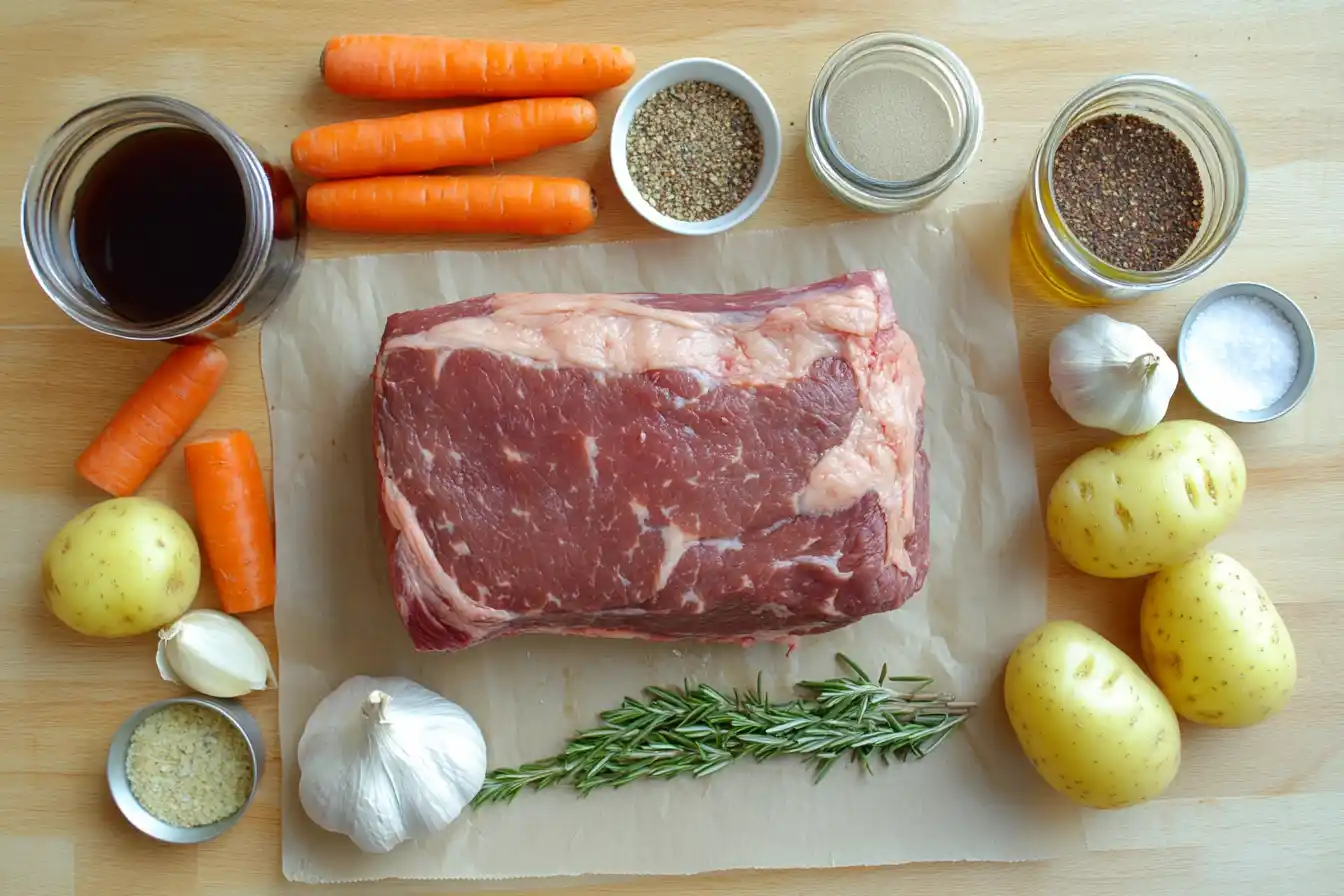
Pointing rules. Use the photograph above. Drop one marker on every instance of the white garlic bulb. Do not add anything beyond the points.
(215, 654)
(1111, 375)
(383, 760)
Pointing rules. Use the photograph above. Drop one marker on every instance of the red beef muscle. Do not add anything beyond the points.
(706, 467)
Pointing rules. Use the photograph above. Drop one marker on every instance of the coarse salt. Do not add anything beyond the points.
(1241, 354)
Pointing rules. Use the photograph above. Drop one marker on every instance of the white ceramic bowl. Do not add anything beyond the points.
(729, 78)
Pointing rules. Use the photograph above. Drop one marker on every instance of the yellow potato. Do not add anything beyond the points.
(1096, 728)
(1215, 644)
(121, 567)
(1145, 502)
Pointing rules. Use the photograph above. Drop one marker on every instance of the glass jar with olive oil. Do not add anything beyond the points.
(1079, 238)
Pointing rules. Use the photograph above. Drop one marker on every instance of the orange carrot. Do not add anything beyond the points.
(539, 206)
(395, 66)
(233, 518)
(148, 424)
(423, 141)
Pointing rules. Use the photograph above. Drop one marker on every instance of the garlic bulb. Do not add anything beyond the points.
(1111, 375)
(383, 760)
(215, 654)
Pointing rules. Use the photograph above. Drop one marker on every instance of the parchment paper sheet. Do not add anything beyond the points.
(975, 798)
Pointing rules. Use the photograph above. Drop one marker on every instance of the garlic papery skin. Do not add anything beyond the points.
(215, 654)
(384, 760)
(1111, 375)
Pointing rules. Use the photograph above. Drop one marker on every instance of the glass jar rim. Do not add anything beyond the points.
(1114, 276)
(65, 146)
(955, 75)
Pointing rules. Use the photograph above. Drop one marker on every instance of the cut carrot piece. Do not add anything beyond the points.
(398, 66)
(147, 425)
(538, 206)
(443, 138)
(233, 518)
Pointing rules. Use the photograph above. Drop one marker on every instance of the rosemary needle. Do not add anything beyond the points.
(696, 730)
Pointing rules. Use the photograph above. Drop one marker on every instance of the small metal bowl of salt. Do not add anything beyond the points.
(184, 770)
(1247, 352)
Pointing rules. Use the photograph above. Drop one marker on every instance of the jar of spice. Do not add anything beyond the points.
(893, 121)
(1139, 185)
(147, 218)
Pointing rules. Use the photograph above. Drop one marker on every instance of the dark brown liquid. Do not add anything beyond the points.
(159, 222)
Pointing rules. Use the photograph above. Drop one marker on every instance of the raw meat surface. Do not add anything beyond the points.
(712, 467)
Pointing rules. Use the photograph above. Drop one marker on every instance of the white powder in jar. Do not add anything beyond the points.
(890, 123)
(1241, 354)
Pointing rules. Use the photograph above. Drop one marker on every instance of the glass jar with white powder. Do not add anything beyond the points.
(893, 121)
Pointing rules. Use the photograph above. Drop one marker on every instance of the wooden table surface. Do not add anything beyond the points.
(1252, 811)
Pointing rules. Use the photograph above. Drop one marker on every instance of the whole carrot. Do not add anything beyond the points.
(395, 66)
(537, 206)
(233, 518)
(423, 141)
(147, 425)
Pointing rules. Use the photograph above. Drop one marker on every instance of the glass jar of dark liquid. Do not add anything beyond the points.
(147, 218)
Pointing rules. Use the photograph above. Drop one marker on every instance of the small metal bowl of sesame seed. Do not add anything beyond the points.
(184, 770)
(695, 146)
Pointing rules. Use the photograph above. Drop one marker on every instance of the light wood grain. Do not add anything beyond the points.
(1255, 811)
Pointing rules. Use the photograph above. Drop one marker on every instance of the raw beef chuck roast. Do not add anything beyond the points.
(715, 467)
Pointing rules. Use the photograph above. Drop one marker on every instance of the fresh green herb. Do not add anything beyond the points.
(697, 730)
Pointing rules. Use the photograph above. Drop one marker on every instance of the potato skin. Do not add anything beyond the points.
(1145, 502)
(1096, 728)
(1215, 643)
(121, 567)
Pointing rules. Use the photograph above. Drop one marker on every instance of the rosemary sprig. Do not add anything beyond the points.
(696, 730)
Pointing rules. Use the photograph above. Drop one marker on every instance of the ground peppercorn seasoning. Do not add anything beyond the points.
(694, 151)
(1129, 190)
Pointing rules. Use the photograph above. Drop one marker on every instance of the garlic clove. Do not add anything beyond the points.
(161, 656)
(215, 654)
